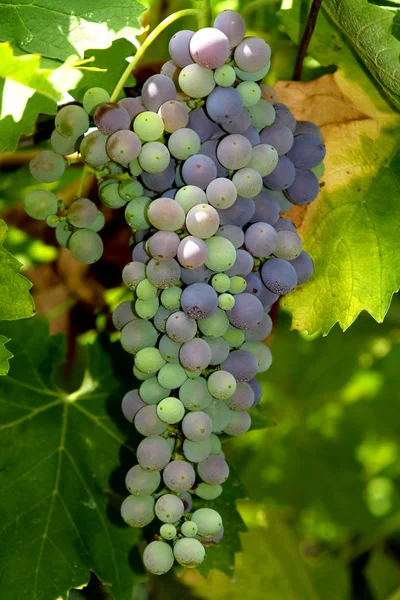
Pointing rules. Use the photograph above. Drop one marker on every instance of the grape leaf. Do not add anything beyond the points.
(61, 456)
(57, 30)
(5, 355)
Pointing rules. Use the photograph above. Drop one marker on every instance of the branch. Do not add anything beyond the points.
(305, 40)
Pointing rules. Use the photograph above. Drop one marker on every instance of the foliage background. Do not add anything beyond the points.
(312, 510)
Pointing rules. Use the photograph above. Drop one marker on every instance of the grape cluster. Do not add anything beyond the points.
(204, 163)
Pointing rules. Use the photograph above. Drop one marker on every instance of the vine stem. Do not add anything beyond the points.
(305, 40)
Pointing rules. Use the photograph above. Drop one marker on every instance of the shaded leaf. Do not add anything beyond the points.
(5, 355)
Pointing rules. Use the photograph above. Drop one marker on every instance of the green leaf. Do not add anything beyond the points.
(57, 30)
(5, 355)
(15, 299)
(61, 473)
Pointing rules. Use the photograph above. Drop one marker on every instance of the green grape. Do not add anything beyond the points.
(86, 246)
(109, 194)
(221, 282)
(216, 445)
(192, 374)
(264, 159)
(93, 149)
(47, 166)
(63, 233)
(214, 326)
(221, 385)
(146, 290)
(189, 196)
(169, 508)
(197, 451)
(136, 213)
(170, 410)
(189, 529)
(93, 97)
(148, 126)
(189, 552)
(64, 145)
(262, 354)
(183, 143)
(130, 189)
(146, 309)
(52, 220)
(208, 492)
(140, 375)
(234, 337)
(237, 285)
(250, 93)
(140, 482)
(171, 298)
(134, 168)
(194, 394)
(319, 170)
(137, 511)
(149, 360)
(171, 376)
(221, 254)
(248, 182)
(152, 392)
(158, 558)
(255, 76)
(225, 76)
(219, 413)
(71, 121)
(138, 334)
(168, 531)
(262, 114)
(226, 301)
(82, 213)
(169, 349)
(196, 81)
(99, 221)
(154, 157)
(114, 168)
(208, 521)
(40, 204)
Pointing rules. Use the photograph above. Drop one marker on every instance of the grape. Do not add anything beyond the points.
(189, 529)
(285, 225)
(240, 124)
(151, 391)
(64, 145)
(174, 115)
(202, 221)
(138, 374)
(156, 90)
(211, 540)
(163, 245)
(163, 274)
(194, 394)
(261, 332)
(202, 124)
(224, 104)
(189, 196)
(40, 204)
(71, 121)
(123, 314)
(93, 97)
(267, 298)
(148, 126)
(197, 426)
(248, 182)
(226, 301)
(131, 404)
(283, 115)
(184, 143)
(279, 136)
(93, 149)
(159, 182)
(307, 151)
(243, 265)
(268, 93)
(133, 273)
(137, 511)
(253, 136)
(243, 398)
(209, 48)
(63, 233)
(225, 76)
(239, 213)
(197, 451)
(123, 146)
(169, 349)
(179, 48)
(209, 148)
(208, 492)
(160, 318)
(169, 508)
(166, 214)
(256, 76)
(254, 284)
(47, 166)
(133, 106)
(221, 254)
(221, 385)
(168, 531)
(279, 276)
(189, 553)
(304, 267)
(262, 354)
(232, 233)
(220, 282)
(109, 194)
(179, 476)
(199, 170)
(110, 117)
(149, 360)
(261, 239)
(233, 26)
(213, 470)
(208, 521)
(304, 189)
(282, 176)
(219, 350)
(180, 327)
(256, 387)
(234, 151)
(154, 157)
(240, 423)
(153, 453)
(192, 252)
(199, 300)
(147, 422)
(288, 245)
(195, 355)
(264, 159)
(82, 212)
(241, 364)
(138, 334)
(202, 274)
(267, 209)
(158, 558)
(130, 189)
(252, 54)
(237, 285)
(196, 81)
(247, 312)
(171, 298)
(306, 127)
(140, 482)
(234, 337)
(134, 168)
(250, 93)
(170, 410)
(187, 501)
(262, 114)
(86, 246)
(171, 376)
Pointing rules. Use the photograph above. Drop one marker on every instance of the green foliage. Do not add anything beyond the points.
(5, 355)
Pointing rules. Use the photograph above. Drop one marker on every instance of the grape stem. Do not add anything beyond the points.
(305, 40)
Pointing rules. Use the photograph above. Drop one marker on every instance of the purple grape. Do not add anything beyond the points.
(285, 224)
(192, 252)
(131, 404)
(163, 245)
(240, 124)
(307, 151)
(241, 364)
(171, 70)
(243, 265)
(224, 104)
(261, 332)
(147, 422)
(243, 398)
(133, 106)
(253, 136)
(257, 389)
(111, 117)
(209, 148)
(157, 90)
(260, 239)
(304, 267)
(161, 317)
(221, 193)
(234, 151)
(180, 327)
(159, 182)
(303, 127)
(197, 426)
(202, 124)
(254, 284)
(199, 170)
(199, 300)
(282, 176)
(304, 189)
(209, 48)
(179, 476)
(123, 146)
(240, 423)
(213, 470)
(232, 233)
(233, 26)
(267, 209)
(284, 116)
(279, 276)
(179, 48)
(163, 273)
(239, 213)
(202, 274)
(123, 314)
(247, 312)
(252, 54)
(174, 115)
(267, 298)
(279, 136)
(195, 355)
(170, 193)
(153, 453)
(139, 253)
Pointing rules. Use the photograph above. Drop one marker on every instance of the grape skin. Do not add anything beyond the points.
(158, 558)
(47, 166)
